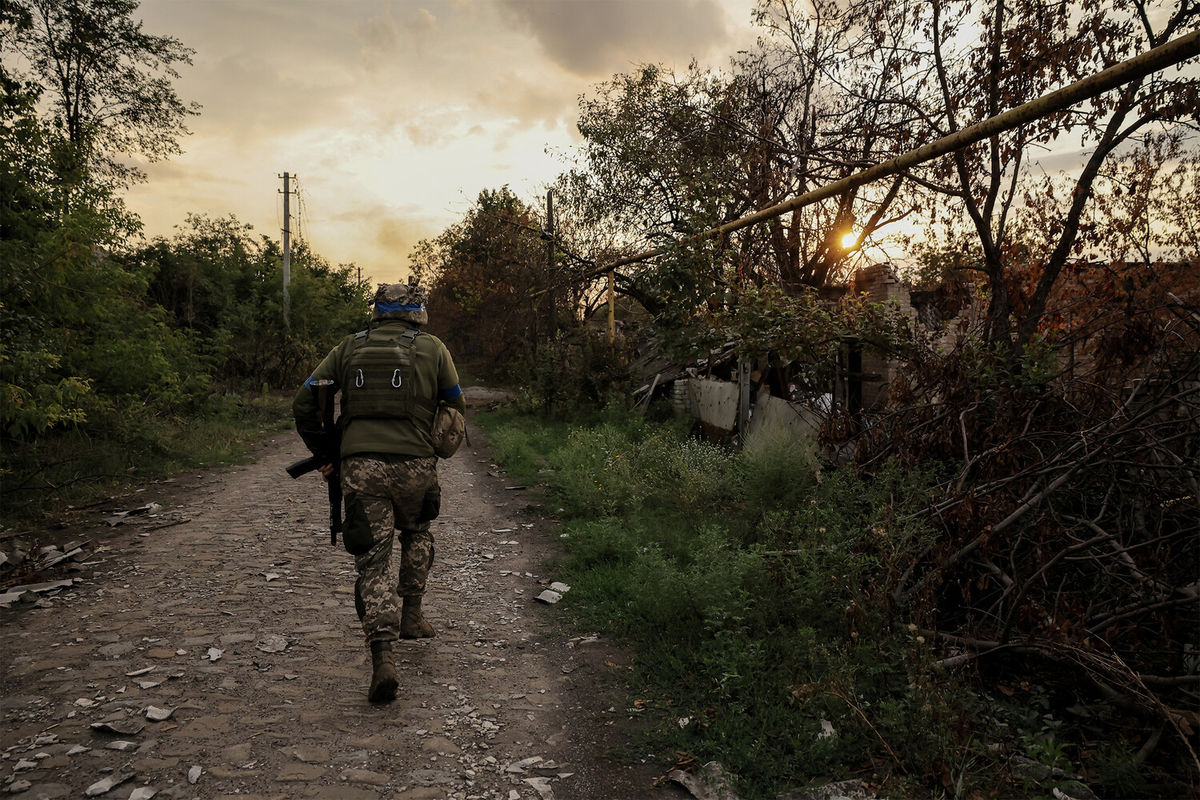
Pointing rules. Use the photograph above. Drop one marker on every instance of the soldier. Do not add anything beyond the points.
(392, 377)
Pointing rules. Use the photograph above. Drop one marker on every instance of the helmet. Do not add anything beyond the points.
(404, 301)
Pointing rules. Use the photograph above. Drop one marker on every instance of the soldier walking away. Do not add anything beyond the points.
(393, 379)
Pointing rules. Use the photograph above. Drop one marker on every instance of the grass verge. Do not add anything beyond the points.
(128, 444)
(749, 586)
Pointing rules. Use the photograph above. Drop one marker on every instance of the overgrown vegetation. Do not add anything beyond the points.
(120, 356)
(1043, 397)
(985, 585)
(753, 590)
(759, 595)
(114, 450)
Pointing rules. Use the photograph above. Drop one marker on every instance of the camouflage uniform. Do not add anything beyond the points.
(383, 493)
(388, 465)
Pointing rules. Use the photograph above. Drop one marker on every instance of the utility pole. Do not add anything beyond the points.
(548, 235)
(612, 310)
(550, 228)
(287, 248)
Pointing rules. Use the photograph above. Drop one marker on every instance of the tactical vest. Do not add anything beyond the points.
(377, 382)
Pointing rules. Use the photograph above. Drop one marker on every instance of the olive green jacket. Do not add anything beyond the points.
(434, 376)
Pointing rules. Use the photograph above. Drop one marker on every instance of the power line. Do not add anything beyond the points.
(302, 211)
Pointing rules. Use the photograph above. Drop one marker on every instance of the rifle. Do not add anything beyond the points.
(325, 445)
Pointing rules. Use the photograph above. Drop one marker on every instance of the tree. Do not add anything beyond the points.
(486, 274)
(666, 155)
(217, 285)
(109, 84)
(982, 59)
(1147, 202)
(34, 395)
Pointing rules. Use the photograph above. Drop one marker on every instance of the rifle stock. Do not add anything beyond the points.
(305, 466)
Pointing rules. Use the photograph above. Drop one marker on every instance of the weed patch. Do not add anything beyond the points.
(750, 587)
(124, 444)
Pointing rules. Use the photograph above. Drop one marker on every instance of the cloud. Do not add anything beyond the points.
(394, 239)
(379, 237)
(531, 99)
(593, 38)
(395, 112)
(398, 236)
(394, 30)
(177, 171)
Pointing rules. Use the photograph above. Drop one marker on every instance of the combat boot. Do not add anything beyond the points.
(412, 623)
(383, 673)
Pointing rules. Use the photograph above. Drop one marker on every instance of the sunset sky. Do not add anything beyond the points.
(395, 114)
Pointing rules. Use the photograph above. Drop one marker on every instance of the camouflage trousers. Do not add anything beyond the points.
(386, 494)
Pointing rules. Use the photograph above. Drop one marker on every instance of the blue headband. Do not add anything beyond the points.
(392, 308)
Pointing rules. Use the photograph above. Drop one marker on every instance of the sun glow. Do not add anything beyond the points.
(849, 240)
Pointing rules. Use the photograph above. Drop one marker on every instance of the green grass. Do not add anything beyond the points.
(126, 445)
(749, 588)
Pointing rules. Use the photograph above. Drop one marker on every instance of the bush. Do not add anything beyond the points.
(123, 443)
(576, 372)
(754, 593)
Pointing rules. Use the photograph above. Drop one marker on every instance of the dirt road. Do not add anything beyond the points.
(211, 650)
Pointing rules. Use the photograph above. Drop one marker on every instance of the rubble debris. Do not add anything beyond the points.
(18, 554)
(121, 745)
(214, 654)
(138, 672)
(121, 727)
(25, 593)
(839, 790)
(273, 643)
(142, 793)
(16, 787)
(149, 508)
(116, 518)
(560, 587)
(106, 785)
(541, 786)
(156, 714)
(55, 556)
(518, 767)
(194, 774)
(549, 597)
(709, 783)
(591, 638)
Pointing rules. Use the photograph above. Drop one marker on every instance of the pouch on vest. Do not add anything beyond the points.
(378, 382)
(357, 536)
(431, 504)
(449, 430)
